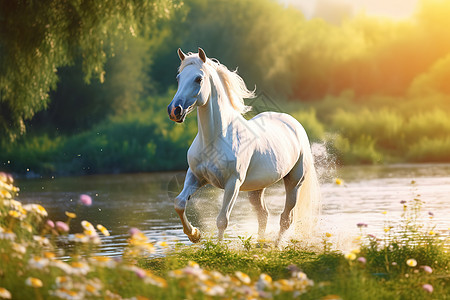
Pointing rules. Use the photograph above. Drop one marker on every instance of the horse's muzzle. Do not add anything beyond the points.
(176, 113)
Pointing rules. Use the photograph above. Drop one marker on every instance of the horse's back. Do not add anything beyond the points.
(277, 148)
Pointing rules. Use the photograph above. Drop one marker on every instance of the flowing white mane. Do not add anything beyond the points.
(232, 84)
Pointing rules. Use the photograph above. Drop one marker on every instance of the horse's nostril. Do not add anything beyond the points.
(178, 110)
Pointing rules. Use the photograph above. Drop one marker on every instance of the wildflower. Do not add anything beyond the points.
(284, 285)
(62, 227)
(350, 256)
(133, 231)
(361, 225)
(4, 293)
(155, 280)
(103, 230)
(5, 194)
(16, 215)
(85, 200)
(331, 297)
(93, 287)
(63, 281)
(428, 288)
(265, 281)
(7, 235)
(79, 268)
(103, 261)
(49, 255)
(38, 262)
(243, 277)
(50, 224)
(356, 251)
(411, 262)
(37, 209)
(70, 215)
(34, 282)
(63, 293)
(65, 267)
(19, 248)
(80, 238)
(362, 260)
(384, 212)
(163, 244)
(387, 229)
(87, 225)
(427, 269)
(43, 241)
(338, 181)
(140, 272)
(327, 234)
(431, 232)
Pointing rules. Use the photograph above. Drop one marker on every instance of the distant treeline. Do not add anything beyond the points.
(376, 90)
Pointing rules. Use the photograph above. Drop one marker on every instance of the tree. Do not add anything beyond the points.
(38, 37)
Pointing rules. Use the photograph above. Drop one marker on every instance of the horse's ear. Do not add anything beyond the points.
(181, 55)
(202, 54)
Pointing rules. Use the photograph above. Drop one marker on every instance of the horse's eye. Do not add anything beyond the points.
(198, 79)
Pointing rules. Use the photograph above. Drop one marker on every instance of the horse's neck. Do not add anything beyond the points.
(215, 117)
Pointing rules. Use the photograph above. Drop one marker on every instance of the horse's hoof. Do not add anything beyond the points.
(195, 236)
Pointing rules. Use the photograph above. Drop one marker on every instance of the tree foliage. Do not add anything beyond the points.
(38, 37)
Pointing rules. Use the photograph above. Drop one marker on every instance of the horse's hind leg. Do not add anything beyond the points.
(257, 200)
(292, 183)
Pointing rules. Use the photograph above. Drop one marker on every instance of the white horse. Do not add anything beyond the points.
(235, 154)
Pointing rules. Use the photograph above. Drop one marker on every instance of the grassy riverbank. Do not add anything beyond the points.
(45, 259)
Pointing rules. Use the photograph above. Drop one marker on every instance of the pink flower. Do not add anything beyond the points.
(62, 227)
(85, 200)
(427, 269)
(362, 260)
(50, 224)
(428, 287)
(133, 231)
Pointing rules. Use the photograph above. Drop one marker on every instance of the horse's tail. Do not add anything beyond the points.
(307, 210)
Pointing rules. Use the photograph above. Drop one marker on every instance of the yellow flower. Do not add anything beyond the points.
(49, 255)
(87, 225)
(34, 282)
(338, 181)
(103, 230)
(350, 256)
(4, 293)
(356, 251)
(14, 213)
(384, 212)
(386, 229)
(71, 215)
(327, 234)
(5, 194)
(163, 244)
(431, 232)
(411, 262)
(243, 277)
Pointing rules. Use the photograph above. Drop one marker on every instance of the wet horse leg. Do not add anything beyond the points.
(257, 200)
(229, 198)
(191, 185)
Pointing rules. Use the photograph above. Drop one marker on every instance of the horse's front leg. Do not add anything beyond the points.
(229, 198)
(191, 185)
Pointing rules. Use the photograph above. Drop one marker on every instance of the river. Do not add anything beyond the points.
(123, 201)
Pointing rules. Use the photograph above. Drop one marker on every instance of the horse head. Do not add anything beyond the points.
(193, 85)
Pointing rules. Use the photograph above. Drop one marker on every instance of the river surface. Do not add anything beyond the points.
(123, 201)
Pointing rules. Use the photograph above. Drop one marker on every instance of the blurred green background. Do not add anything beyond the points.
(85, 87)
